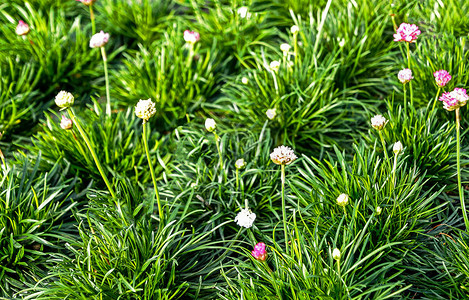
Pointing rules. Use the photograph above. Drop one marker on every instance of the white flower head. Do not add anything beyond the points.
(378, 210)
(210, 124)
(405, 76)
(243, 12)
(336, 254)
(271, 113)
(99, 40)
(191, 37)
(397, 148)
(274, 65)
(460, 95)
(342, 200)
(378, 122)
(240, 163)
(145, 109)
(244, 80)
(294, 29)
(285, 48)
(64, 99)
(245, 218)
(283, 155)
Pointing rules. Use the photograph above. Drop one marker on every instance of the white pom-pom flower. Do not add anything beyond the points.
(99, 40)
(240, 163)
(283, 155)
(397, 148)
(294, 29)
(271, 113)
(210, 124)
(245, 218)
(145, 109)
(378, 122)
(64, 99)
(274, 65)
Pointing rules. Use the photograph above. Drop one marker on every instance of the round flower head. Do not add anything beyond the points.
(283, 155)
(210, 124)
(294, 29)
(274, 65)
(64, 99)
(271, 113)
(22, 28)
(460, 95)
(336, 254)
(244, 80)
(378, 122)
(378, 210)
(442, 77)
(87, 2)
(397, 148)
(243, 12)
(191, 37)
(285, 48)
(406, 33)
(405, 76)
(99, 40)
(66, 123)
(449, 102)
(342, 200)
(145, 109)
(259, 252)
(240, 163)
(245, 218)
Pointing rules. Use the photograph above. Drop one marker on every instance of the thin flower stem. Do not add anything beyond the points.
(284, 213)
(106, 75)
(461, 191)
(436, 99)
(295, 46)
(237, 179)
(218, 149)
(191, 55)
(410, 82)
(152, 172)
(384, 147)
(93, 153)
(405, 99)
(394, 171)
(93, 23)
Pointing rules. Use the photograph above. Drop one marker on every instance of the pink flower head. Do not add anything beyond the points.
(99, 40)
(460, 95)
(406, 33)
(66, 123)
(259, 252)
(405, 76)
(191, 37)
(22, 28)
(87, 2)
(442, 77)
(455, 99)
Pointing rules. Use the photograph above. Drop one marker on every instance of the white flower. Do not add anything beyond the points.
(243, 12)
(22, 28)
(294, 29)
(378, 122)
(240, 163)
(285, 48)
(245, 218)
(210, 124)
(405, 76)
(460, 95)
(191, 37)
(283, 155)
(244, 80)
(100, 39)
(271, 113)
(336, 254)
(378, 210)
(342, 200)
(64, 99)
(145, 109)
(274, 65)
(341, 42)
(397, 148)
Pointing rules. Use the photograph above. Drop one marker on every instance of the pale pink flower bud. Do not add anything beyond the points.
(378, 122)
(336, 254)
(22, 28)
(259, 252)
(191, 37)
(66, 123)
(405, 76)
(442, 77)
(407, 33)
(87, 2)
(99, 40)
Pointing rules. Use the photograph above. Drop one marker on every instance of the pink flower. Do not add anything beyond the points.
(87, 2)
(442, 77)
(66, 123)
(22, 28)
(191, 37)
(405, 76)
(99, 40)
(406, 33)
(460, 95)
(259, 252)
(455, 99)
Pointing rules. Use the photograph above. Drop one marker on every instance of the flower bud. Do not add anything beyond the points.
(378, 210)
(336, 254)
(99, 40)
(87, 2)
(64, 99)
(240, 163)
(66, 123)
(342, 200)
(259, 252)
(294, 29)
(274, 65)
(210, 124)
(22, 28)
(397, 148)
(271, 113)
(191, 37)
(285, 48)
(244, 80)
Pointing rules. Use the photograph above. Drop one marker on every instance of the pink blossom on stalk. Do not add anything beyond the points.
(191, 37)
(87, 2)
(455, 99)
(406, 33)
(22, 28)
(442, 77)
(460, 95)
(405, 76)
(99, 40)
(259, 252)
(66, 123)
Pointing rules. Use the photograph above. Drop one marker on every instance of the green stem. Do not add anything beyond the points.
(410, 83)
(284, 213)
(237, 179)
(295, 46)
(384, 146)
(93, 153)
(152, 172)
(93, 24)
(218, 149)
(394, 171)
(436, 99)
(106, 75)
(191, 55)
(461, 191)
(405, 100)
